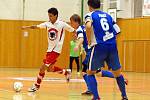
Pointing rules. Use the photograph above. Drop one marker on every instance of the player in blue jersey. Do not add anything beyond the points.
(82, 39)
(100, 27)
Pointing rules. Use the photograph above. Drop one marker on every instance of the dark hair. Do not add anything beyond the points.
(76, 18)
(94, 3)
(53, 11)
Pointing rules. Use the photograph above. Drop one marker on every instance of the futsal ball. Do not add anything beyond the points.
(18, 86)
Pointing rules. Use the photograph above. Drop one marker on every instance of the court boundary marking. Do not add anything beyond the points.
(45, 79)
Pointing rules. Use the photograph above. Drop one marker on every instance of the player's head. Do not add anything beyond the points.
(53, 14)
(75, 21)
(94, 4)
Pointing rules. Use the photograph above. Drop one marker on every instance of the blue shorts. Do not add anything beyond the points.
(101, 53)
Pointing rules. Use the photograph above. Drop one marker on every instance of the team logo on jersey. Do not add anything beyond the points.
(52, 34)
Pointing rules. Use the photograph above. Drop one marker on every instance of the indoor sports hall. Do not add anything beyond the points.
(22, 50)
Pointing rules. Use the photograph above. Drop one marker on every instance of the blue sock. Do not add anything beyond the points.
(107, 74)
(121, 84)
(85, 76)
(93, 86)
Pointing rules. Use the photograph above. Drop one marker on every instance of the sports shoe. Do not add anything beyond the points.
(33, 88)
(126, 81)
(68, 75)
(96, 99)
(124, 98)
(78, 74)
(87, 93)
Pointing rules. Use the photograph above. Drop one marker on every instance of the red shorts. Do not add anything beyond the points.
(50, 57)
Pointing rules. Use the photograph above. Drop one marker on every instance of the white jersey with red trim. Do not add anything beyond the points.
(56, 34)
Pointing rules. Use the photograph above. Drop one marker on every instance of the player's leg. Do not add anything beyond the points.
(70, 62)
(41, 74)
(66, 72)
(114, 63)
(93, 84)
(109, 74)
(85, 77)
(40, 77)
(98, 54)
(84, 73)
(120, 81)
(104, 73)
(51, 59)
(77, 62)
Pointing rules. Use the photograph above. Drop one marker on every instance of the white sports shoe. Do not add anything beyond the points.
(68, 75)
(33, 88)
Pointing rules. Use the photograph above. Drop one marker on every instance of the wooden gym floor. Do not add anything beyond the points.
(54, 86)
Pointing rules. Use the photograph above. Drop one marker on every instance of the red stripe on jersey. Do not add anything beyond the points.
(53, 29)
(61, 33)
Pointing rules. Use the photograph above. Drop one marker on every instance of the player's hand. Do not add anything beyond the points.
(89, 47)
(29, 27)
(23, 27)
(74, 36)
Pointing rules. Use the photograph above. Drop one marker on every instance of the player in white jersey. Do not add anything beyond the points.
(56, 33)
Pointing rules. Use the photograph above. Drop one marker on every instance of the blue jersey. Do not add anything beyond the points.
(104, 28)
(81, 33)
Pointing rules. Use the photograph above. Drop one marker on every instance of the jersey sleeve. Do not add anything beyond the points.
(79, 32)
(68, 27)
(42, 25)
(87, 17)
(115, 26)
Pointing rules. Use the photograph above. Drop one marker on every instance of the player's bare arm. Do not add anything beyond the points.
(78, 44)
(30, 27)
(88, 27)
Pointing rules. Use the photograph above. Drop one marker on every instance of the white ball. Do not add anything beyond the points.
(18, 86)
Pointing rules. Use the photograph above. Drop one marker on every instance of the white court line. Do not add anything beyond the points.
(45, 79)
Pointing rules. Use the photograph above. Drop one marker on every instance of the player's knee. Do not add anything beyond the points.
(99, 74)
(42, 68)
(48, 70)
(83, 73)
(89, 72)
(117, 73)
